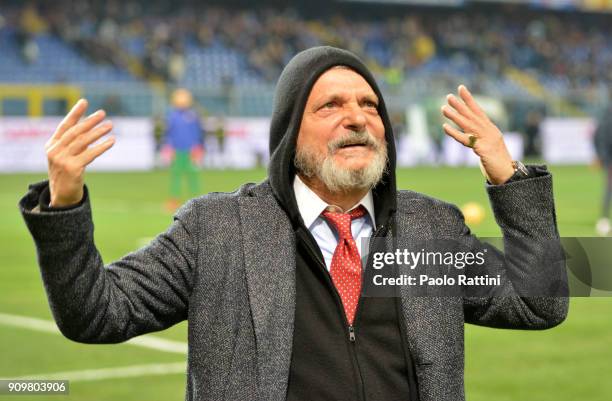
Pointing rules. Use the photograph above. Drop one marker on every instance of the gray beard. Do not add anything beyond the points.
(339, 179)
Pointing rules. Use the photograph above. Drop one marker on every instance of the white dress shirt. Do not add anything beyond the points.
(311, 207)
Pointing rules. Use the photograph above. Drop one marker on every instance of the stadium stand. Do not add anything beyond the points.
(56, 61)
(218, 51)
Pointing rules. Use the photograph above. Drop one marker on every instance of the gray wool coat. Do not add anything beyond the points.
(227, 265)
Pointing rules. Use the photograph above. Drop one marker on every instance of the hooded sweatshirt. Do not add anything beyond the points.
(332, 360)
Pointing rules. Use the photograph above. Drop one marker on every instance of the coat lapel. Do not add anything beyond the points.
(269, 254)
(416, 308)
(433, 334)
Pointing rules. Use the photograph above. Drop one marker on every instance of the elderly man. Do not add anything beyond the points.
(270, 277)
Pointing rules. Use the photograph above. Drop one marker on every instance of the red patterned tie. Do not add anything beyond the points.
(345, 267)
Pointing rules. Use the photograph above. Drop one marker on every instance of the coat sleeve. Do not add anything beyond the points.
(145, 291)
(534, 291)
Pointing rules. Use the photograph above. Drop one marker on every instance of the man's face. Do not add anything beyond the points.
(341, 128)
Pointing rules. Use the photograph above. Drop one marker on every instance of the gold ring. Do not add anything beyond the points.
(472, 140)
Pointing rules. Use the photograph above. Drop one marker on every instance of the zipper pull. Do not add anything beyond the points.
(351, 334)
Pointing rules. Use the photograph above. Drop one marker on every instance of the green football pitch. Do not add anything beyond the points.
(570, 362)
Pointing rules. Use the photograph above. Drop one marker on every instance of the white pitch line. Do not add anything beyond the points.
(47, 326)
(109, 373)
(160, 344)
(29, 323)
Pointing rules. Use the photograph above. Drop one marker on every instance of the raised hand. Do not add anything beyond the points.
(480, 134)
(68, 152)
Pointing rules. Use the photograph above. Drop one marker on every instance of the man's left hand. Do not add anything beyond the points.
(480, 134)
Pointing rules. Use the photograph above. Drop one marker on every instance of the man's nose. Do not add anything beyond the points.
(354, 118)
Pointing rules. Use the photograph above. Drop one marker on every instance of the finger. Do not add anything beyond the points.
(93, 152)
(84, 126)
(82, 142)
(470, 101)
(73, 117)
(456, 134)
(458, 105)
(464, 123)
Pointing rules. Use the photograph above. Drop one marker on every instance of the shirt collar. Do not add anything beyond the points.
(311, 206)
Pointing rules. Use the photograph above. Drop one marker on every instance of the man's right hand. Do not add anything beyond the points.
(68, 153)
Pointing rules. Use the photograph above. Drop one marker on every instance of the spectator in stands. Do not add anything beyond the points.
(603, 148)
(184, 146)
(176, 63)
(30, 25)
(29, 48)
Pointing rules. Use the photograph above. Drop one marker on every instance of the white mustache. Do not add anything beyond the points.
(354, 138)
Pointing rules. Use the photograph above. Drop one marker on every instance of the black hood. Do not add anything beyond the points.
(292, 91)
